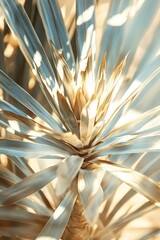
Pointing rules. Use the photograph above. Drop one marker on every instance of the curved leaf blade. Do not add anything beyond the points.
(55, 29)
(27, 186)
(66, 172)
(55, 227)
(27, 100)
(91, 194)
(28, 149)
(136, 180)
(20, 24)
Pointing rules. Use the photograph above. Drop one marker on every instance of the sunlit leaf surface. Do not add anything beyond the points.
(80, 120)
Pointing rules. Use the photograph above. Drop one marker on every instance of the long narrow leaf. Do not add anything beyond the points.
(91, 194)
(66, 172)
(58, 221)
(55, 29)
(85, 28)
(20, 24)
(27, 186)
(27, 149)
(136, 180)
(27, 100)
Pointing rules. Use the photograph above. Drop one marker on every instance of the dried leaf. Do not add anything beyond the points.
(69, 119)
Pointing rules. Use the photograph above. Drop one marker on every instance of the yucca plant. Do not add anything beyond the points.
(80, 130)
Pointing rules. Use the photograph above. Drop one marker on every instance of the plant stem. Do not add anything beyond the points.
(77, 228)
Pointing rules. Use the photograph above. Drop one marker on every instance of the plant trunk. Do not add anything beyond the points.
(78, 228)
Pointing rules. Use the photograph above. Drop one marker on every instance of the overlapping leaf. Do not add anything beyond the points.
(27, 186)
(55, 227)
(22, 96)
(55, 29)
(139, 182)
(88, 120)
(90, 193)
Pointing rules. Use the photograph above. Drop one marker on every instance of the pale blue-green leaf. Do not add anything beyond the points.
(120, 29)
(9, 107)
(55, 227)
(55, 29)
(85, 14)
(22, 165)
(91, 194)
(66, 172)
(28, 149)
(27, 186)
(129, 97)
(113, 34)
(21, 26)
(27, 100)
(141, 145)
(17, 214)
(136, 180)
